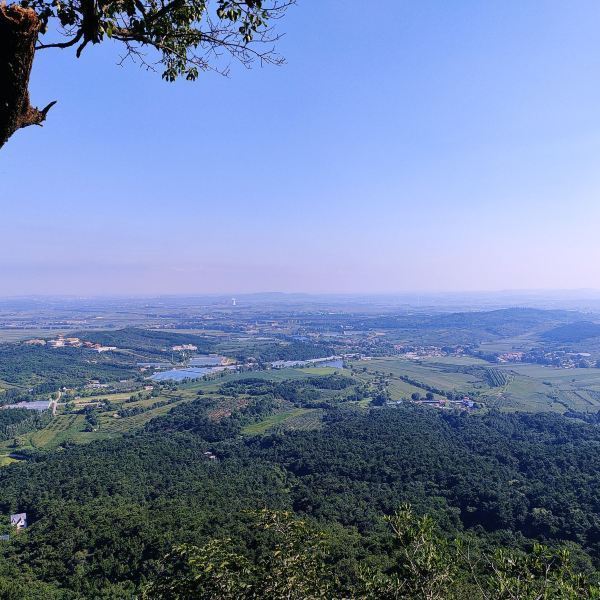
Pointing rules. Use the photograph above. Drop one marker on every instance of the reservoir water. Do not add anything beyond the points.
(185, 373)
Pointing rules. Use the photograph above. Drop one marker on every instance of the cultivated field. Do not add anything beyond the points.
(522, 387)
(71, 427)
(276, 419)
(16, 335)
(511, 387)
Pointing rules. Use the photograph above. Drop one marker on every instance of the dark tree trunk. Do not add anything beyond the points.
(19, 29)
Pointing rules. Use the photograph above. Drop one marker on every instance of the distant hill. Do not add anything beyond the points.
(503, 322)
(470, 327)
(525, 316)
(573, 332)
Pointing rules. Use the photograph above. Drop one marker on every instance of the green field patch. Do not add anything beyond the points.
(60, 429)
(401, 389)
(273, 420)
(581, 400)
(454, 360)
(514, 387)
(66, 426)
(119, 425)
(4, 385)
(115, 397)
(536, 387)
(437, 376)
(517, 343)
(213, 385)
(307, 421)
(324, 371)
(579, 377)
(17, 335)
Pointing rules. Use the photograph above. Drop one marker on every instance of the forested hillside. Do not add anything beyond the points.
(30, 365)
(104, 516)
(144, 340)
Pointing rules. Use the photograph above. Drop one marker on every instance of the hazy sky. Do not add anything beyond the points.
(433, 146)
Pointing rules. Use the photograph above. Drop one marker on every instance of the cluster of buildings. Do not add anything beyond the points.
(415, 353)
(96, 385)
(70, 342)
(63, 342)
(36, 342)
(418, 352)
(464, 403)
(185, 348)
(511, 357)
(553, 358)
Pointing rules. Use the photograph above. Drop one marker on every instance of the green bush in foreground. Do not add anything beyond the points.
(294, 562)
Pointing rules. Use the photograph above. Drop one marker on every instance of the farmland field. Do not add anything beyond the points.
(400, 389)
(571, 377)
(71, 427)
(438, 375)
(535, 387)
(118, 425)
(517, 343)
(273, 420)
(16, 335)
(454, 360)
(520, 387)
(61, 428)
(508, 387)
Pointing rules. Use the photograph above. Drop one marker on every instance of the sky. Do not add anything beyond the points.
(404, 146)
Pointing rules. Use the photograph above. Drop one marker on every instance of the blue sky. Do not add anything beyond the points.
(430, 146)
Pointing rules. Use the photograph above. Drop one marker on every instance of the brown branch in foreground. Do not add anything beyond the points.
(19, 29)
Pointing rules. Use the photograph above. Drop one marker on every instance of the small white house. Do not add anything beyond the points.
(19, 520)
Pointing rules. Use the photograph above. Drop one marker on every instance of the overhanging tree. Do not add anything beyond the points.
(181, 38)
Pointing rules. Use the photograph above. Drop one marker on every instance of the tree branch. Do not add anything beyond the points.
(19, 29)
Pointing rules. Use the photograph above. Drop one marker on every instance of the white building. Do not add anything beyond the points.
(19, 520)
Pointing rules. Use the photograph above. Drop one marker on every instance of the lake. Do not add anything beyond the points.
(185, 373)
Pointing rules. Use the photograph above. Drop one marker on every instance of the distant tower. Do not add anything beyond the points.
(233, 302)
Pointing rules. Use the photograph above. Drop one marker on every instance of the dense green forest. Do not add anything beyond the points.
(294, 350)
(311, 392)
(152, 342)
(139, 514)
(14, 421)
(13, 416)
(28, 365)
(145, 340)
